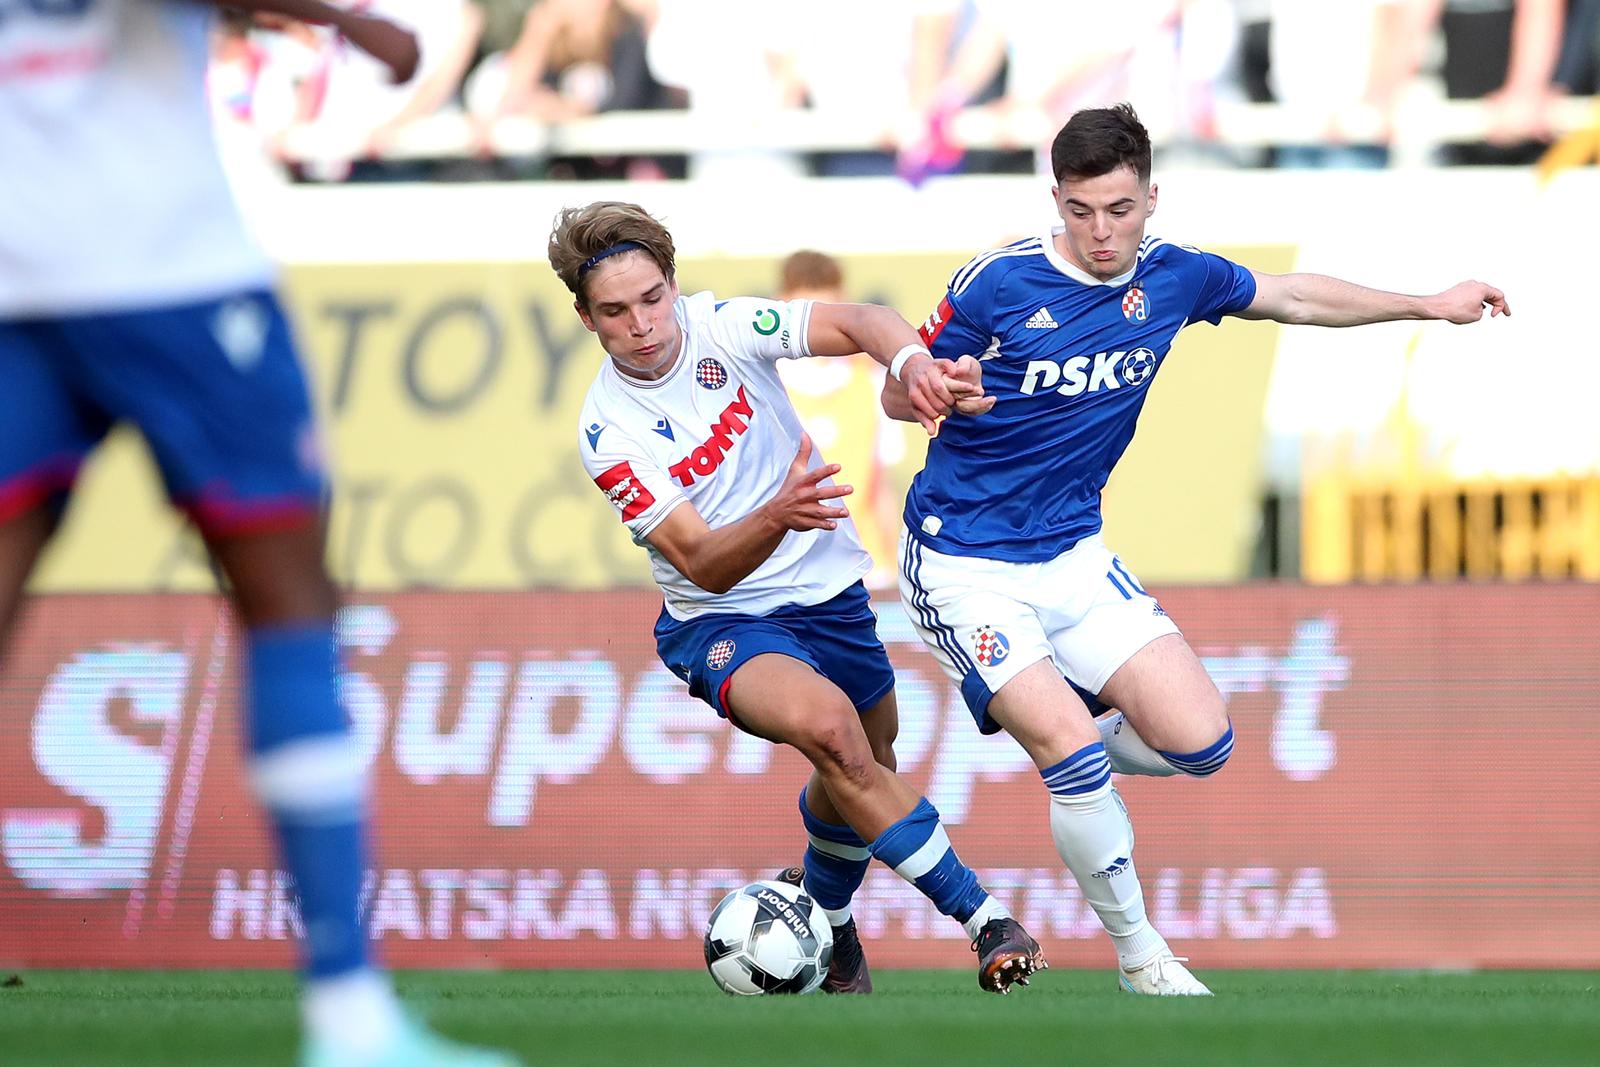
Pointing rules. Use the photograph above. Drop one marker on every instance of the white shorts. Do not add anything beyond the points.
(988, 620)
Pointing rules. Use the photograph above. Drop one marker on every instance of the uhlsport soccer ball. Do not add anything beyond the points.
(768, 937)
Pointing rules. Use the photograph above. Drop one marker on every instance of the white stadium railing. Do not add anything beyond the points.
(1416, 128)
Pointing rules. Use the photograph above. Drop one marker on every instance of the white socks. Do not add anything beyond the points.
(989, 910)
(1095, 840)
(1127, 750)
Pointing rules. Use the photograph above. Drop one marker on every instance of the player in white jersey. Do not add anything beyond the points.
(689, 433)
(129, 292)
(1002, 566)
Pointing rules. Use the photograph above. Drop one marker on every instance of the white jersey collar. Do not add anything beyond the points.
(1076, 273)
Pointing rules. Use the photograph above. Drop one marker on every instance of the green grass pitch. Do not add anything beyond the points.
(641, 1019)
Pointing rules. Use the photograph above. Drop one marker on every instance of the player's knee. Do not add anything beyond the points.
(1206, 761)
(835, 745)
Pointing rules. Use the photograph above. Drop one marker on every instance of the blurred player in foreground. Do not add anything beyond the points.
(689, 433)
(129, 292)
(1002, 566)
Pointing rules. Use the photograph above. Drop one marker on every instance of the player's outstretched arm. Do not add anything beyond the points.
(964, 379)
(392, 45)
(717, 560)
(1318, 300)
(880, 332)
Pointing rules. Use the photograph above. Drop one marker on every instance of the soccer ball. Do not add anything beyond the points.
(768, 937)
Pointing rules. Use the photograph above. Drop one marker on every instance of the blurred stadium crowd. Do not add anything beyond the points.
(914, 87)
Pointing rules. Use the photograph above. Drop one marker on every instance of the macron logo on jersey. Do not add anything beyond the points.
(706, 458)
(1089, 374)
(623, 488)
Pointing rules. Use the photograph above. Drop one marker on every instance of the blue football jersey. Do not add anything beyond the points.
(1069, 359)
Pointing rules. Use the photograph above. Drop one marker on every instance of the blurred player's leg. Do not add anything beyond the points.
(783, 699)
(22, 537)
(307, 773)
(46, 428)
(309, 777)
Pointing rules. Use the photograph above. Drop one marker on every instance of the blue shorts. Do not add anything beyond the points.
(215, 387)
(837, 638)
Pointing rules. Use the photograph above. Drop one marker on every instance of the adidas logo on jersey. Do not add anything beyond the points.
(1041, 320)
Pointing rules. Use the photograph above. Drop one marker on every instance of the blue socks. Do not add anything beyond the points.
(1207, 761)
(836, 861)
(1085, 771)
(919, 851)
(308, 775)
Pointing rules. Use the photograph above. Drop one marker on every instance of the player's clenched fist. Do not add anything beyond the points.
(928, 390)
(801, 503)
(964, 379)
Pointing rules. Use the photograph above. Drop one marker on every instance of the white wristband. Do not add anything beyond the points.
(898, 363)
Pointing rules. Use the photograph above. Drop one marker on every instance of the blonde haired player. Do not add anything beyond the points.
(690, 436)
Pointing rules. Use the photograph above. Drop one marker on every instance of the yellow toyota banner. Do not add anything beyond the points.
(450, 394)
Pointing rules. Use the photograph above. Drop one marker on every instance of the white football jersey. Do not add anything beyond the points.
(718, 432)
(111, 193)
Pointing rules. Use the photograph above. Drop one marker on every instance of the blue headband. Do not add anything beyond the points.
(594, 261)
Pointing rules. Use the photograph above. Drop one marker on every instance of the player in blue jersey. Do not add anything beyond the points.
(1002, 565)
(130, 292)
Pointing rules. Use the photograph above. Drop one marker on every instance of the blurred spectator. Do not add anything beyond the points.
(575, 58)
(926, 145)
(572, 59)
(1578, 66)
(870, 73)
(254, 82)
(503, 22)
(1163, 54)
(1254, 55)
(1338, 68)
(837, 401)
(350, 114)
(729, 57)
(1503, 52)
